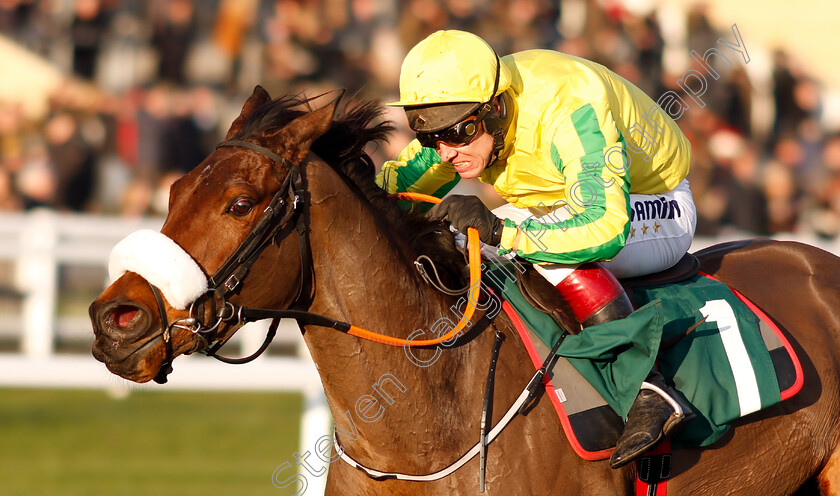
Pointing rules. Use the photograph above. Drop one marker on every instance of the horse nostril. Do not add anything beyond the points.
(122, 315)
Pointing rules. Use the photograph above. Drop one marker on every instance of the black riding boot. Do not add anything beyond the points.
(657, 413)
(619, 308)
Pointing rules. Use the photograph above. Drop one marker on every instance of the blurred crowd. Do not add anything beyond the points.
(171, 74)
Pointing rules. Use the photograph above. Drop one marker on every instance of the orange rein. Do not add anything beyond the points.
(474, 249)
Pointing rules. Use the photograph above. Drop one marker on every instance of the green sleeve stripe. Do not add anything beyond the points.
(589, 130)
(446, 188)
(618, 163)
(586, 193)
(605, 251)
(555, 158)
(415, 167)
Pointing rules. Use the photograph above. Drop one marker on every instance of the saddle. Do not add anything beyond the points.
(545, 298)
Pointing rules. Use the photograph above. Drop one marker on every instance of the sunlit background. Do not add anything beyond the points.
(104, 103)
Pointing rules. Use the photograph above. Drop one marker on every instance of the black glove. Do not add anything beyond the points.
(468, 211)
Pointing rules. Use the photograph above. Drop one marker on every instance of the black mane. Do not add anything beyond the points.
(342, 147)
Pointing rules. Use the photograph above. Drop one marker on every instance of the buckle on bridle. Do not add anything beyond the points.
(231, 283)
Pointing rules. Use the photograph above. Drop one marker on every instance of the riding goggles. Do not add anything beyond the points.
(458, 135)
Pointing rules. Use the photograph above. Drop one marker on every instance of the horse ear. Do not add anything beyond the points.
(257, 99)
(299, 134)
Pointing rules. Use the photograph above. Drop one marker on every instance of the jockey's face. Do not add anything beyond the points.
(471, 159)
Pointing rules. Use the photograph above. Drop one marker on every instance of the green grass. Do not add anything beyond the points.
(163, 443)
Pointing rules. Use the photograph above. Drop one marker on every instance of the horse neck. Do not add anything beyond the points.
(377, 393)
(364, 271)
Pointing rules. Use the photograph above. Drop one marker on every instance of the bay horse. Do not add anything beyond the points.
(357, 265)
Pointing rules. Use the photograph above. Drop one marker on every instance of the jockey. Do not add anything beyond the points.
(592, 169)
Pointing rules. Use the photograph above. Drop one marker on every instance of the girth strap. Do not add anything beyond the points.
(654, 470)
(440, 474)
(522, 400)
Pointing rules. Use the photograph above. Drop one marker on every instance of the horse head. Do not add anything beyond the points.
(170, 296)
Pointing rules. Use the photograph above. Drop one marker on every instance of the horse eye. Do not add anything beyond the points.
(241, 207)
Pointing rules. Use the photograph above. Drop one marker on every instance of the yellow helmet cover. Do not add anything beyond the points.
(448, 67)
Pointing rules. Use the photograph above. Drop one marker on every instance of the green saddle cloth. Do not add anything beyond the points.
(722, 368)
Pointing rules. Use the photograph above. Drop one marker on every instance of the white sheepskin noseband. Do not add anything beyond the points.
(161, 262)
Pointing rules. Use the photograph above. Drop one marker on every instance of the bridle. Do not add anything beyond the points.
(272, 225)
(286, 211)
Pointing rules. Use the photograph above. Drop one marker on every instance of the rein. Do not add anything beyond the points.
(271, 226)
(474, 250)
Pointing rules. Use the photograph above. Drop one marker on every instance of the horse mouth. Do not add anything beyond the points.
(138, 362)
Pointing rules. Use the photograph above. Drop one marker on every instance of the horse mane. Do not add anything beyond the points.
(343, 148)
